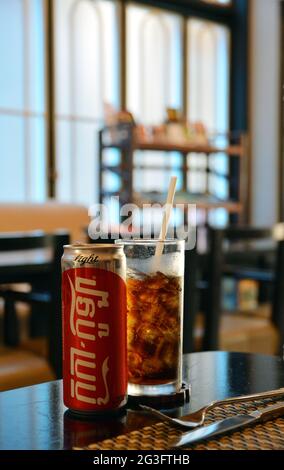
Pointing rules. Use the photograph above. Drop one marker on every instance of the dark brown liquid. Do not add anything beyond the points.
(153, 329)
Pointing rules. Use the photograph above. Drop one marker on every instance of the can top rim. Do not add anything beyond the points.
(97, 246)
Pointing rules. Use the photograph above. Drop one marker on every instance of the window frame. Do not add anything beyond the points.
(216, 12)
(234, 16)
(281, 125)
(50, 98)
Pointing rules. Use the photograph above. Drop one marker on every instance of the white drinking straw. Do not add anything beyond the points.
(166, 216)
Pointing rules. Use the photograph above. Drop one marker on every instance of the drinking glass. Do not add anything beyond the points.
(154, 316)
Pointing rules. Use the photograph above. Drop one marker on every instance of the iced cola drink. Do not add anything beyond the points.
(154, 316)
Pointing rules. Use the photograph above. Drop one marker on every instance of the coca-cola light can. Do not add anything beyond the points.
(94, 328)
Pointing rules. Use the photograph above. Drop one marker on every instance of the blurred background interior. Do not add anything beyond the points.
(104, 98)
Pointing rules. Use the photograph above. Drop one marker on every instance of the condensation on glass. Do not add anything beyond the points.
(154, 316)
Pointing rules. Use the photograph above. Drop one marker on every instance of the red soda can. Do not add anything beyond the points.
(94, 328)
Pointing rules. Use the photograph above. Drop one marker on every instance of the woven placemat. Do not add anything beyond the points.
(262, 436)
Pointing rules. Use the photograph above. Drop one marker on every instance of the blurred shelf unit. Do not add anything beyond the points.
(125, 138)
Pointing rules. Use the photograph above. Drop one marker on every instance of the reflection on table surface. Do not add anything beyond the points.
(35, 417)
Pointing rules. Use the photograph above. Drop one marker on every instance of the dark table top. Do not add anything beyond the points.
(35, 417)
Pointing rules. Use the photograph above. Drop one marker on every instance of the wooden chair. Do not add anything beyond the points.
(219, 264)
(44, 276)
